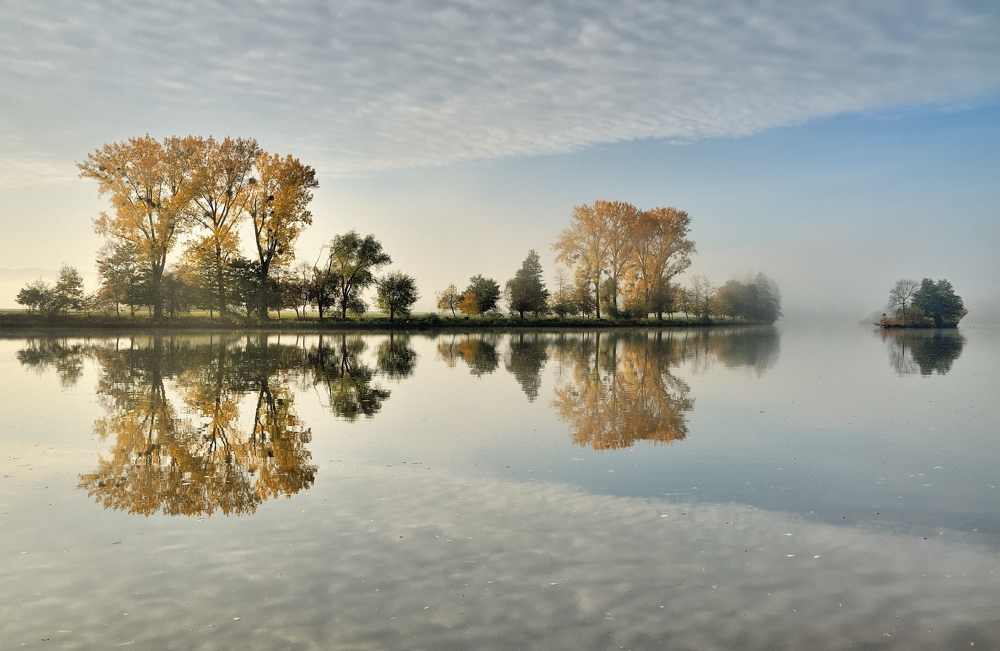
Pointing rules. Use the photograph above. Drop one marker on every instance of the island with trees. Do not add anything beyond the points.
(924, 304)
(202, 232)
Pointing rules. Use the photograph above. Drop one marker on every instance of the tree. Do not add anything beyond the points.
(486, 291)
(352, 264)
(769, 299)
(35, 296)
(703, 298)
(900, 298)
(323, 290)
(562, 302)
(277, 206)
(68, 291)
(150, 185)
(223, 174)
(449, 299)
(660, 251)
(397, 292)
(124, 280)
(526, 290)
(584, 247)
(469, 306)
(939, 302)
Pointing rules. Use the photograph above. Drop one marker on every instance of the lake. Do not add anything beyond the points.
(752, 488)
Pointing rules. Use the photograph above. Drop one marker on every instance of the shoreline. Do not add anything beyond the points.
(25, 322)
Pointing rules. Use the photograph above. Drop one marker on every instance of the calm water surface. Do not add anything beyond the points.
(747, 488)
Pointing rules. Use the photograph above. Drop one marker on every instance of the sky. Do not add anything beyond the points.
(834, 146)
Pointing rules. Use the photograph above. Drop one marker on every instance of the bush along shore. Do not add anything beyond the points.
(79, 321)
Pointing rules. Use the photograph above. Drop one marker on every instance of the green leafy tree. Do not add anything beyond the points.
(486, 291)
(35, 296)
(526, 290)
(939, 302)
(397, 292)
(68, 291)
(351, 269)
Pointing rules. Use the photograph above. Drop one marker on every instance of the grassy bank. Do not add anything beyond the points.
(20, 320)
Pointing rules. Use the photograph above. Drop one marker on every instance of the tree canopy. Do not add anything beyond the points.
(526, 290)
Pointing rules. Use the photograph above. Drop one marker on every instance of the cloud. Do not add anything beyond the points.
(366, 86)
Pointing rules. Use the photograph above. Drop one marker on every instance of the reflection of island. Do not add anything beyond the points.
(620, 389)
(923, 351)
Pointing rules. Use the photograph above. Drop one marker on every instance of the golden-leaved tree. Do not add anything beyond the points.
(224, 178)
(278, 207)
(150, 185)
(639, 251)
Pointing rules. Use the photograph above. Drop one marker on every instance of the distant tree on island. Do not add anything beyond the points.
(926, 304)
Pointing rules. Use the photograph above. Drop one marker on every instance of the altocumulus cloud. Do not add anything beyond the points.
(366, 86)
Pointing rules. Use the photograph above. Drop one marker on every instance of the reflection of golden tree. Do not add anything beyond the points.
(478, 351)
(621, 390)
(204, 461)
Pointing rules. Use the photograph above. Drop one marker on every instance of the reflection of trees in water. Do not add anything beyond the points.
(922, 351)
(526, 355)
(620, 389)
(207, 460)
(349, 383)
(477, 350)
(66, 358)
(395, 358)
(752, 347)
(206, 424)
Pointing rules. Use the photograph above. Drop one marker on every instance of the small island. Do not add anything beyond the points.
(924, 304)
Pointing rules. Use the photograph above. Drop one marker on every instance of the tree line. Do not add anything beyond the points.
(201, 195)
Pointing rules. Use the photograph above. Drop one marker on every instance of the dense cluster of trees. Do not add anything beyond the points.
(202, 195)
(623, 258)
(924, 304)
